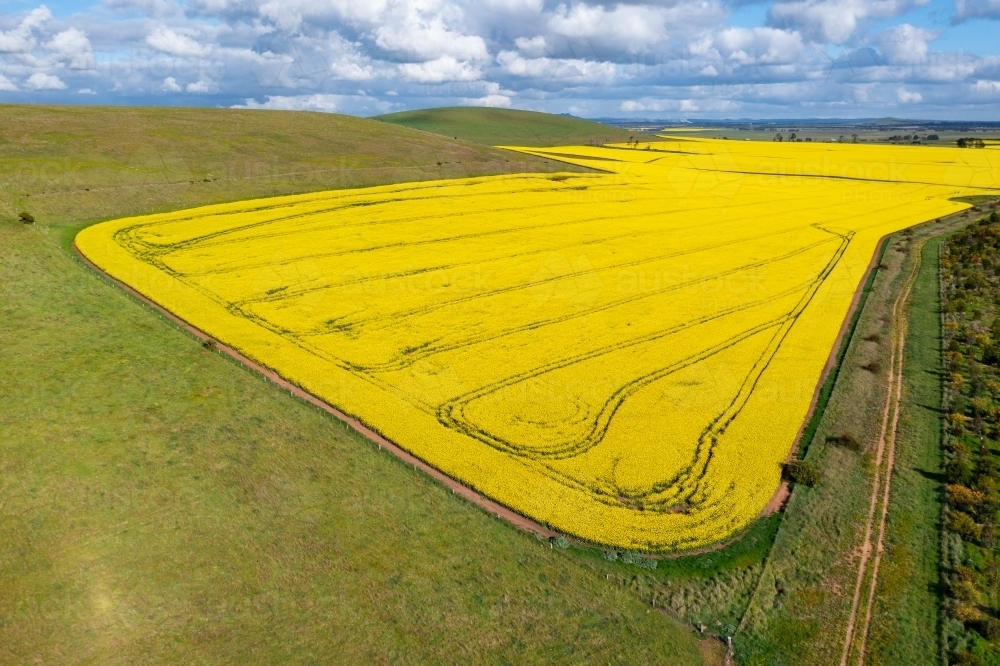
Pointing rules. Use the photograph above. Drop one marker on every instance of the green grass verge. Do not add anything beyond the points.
(799, 609)
(160, 504)
(507, 127)
(905, 619)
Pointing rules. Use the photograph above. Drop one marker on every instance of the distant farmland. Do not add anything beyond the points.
(627, 356)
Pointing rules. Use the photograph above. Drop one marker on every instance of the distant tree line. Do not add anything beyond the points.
(971, 143)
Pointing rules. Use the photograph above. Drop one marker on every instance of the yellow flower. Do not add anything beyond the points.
(627, 355)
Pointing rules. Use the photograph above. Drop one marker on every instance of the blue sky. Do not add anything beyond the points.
(933, 59)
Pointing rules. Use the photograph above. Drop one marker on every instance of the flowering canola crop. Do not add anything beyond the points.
(626, 355)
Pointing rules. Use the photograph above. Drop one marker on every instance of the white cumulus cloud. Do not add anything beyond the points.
(43, 81)
(497, 101)
(201, 86)
(351, 71)
(445, 68)
(565, 70)
(22, 38)
(72, 47)
(166, 40)
(759, 45)
(326, 103)
(906, 45)
(428, 39)
(835, 21)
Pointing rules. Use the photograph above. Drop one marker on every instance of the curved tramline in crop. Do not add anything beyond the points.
(626, 356)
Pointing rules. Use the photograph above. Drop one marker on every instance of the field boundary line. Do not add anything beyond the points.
(836, 358)
(483, 502)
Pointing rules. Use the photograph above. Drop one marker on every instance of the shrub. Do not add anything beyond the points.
(802, 471)
(611, 555)
(966, 592)
(962, 497)
(560, 542)
(971, 143)
(639, 560)
(847, 441)
(873, 366)
(963, 525)
(991, 630)
(958, 470)
(26, 217)
(991, 355)
(969, 659)
(988, 536)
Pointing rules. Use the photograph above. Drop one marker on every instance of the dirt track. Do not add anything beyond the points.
(885, 453)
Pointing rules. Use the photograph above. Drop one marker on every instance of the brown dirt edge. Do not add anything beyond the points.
(488, 505)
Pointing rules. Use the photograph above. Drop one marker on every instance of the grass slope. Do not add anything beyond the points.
(92, 163)
(507, 127)
(160, 504)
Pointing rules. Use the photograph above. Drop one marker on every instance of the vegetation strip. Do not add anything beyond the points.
(970, 276)
(811, 569)
(895, 390)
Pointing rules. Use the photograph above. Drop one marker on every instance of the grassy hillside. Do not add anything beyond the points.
(506, 127)
(159, 504)
(84, 164)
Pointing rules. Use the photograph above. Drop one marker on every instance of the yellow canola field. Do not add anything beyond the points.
(625, 355)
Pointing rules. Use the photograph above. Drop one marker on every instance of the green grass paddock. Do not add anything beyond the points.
(161, 504)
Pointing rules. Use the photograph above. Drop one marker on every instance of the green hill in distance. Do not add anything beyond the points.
(73, 165)
(507, 127)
